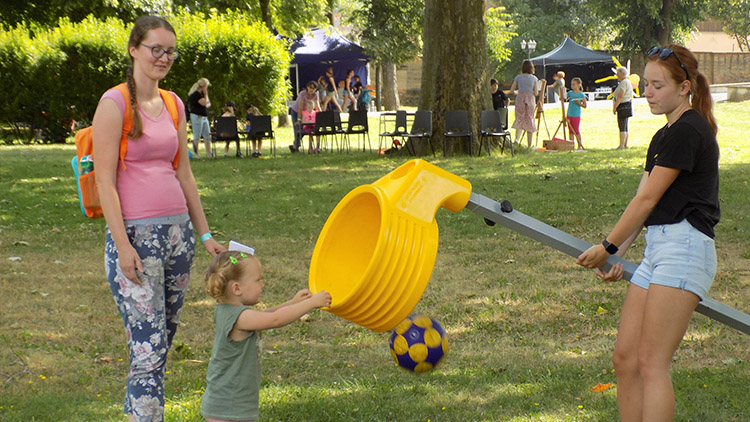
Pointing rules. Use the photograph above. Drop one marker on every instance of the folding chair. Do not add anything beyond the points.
(260, 128)
(225, 129)
(457, 126)
(358, 125)
(421, 129)
(399, 130)
(495, 124)
(325, 125)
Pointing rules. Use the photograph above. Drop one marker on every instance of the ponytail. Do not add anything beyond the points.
(702, 102)
(225, 268)
(137, 129)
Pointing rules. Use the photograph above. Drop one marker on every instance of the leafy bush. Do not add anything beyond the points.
(59, 74)
(243, 61)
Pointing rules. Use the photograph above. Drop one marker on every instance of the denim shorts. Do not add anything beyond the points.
(677, 255)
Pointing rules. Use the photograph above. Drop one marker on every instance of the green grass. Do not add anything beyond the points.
(530, 332)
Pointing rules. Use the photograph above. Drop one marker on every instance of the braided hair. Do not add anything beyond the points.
(137, 34)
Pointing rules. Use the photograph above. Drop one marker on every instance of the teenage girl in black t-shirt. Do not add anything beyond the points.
(677, 201)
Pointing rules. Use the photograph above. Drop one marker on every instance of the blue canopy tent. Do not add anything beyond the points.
(320, 49)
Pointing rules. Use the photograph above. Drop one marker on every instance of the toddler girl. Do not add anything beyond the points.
(233, 379)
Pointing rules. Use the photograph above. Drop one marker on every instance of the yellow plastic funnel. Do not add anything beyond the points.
(377, 249)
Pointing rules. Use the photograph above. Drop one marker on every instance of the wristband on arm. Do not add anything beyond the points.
(206, 236)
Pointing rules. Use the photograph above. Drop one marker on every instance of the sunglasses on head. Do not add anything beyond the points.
(666, 52)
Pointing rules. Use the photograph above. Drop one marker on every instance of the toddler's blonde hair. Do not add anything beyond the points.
(225, 268)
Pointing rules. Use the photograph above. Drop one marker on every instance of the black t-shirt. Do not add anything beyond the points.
(690, 146)
(499, 99)
(195, 106)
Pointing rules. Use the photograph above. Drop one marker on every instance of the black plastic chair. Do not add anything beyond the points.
(495, 124)
(358, 125)
(325, 125)
(421, 130)
(260, 128)
(225, 129)
(399, 130)
(457, 126)
(340, 131)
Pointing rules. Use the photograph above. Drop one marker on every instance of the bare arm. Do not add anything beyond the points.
(650, 190)
(106, 134)
(252, 320)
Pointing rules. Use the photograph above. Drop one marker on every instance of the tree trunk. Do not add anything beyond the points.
(390, 87)
(378, 88)
(454, 66)
(265, 13)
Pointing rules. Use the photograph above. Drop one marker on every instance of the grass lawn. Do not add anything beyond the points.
(530, 332)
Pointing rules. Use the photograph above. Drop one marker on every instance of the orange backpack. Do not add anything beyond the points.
(83, 162)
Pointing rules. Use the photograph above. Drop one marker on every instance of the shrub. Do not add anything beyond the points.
(59, 74)
(243, 61)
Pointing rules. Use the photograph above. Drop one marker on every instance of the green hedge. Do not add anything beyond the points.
(59, 74)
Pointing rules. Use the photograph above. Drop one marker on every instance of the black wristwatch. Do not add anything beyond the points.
(609, 247)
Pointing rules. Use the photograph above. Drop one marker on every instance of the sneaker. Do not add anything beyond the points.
(226, 155)
(292, 149)
(196, 157)
(239, 154)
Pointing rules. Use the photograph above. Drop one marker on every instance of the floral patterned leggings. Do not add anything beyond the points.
(151, 310)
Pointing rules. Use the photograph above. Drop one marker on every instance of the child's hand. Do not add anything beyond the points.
(321, 299)
(301, 295)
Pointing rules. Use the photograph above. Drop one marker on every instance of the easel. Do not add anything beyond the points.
(540, 112)
(564, 123)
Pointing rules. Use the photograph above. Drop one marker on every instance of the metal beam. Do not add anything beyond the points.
(503, 213)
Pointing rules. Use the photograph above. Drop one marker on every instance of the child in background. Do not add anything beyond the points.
(577, 101)
(559, 84)
(228, 111)
(235, 279)
(257, 143)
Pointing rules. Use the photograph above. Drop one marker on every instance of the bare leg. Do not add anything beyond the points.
(578, 139)
(666, 317)
(623, 140)
(625, 357)
(529, 135)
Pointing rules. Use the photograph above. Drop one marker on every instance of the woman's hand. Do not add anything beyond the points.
(593, 257)
(130, 263)
(213, 247)
(614, 274)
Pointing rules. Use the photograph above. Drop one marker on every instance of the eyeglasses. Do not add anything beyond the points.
(157, 52)
(666, 52)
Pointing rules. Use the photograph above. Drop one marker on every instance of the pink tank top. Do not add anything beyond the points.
(149, 187)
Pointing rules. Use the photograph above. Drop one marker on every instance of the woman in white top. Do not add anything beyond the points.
(622, 106)
(526, 84)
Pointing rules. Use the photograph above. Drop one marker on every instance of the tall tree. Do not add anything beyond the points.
(734, 15)
(454, 65)
(390, 32)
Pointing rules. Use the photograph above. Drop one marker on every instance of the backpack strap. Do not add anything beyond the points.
(127, 119)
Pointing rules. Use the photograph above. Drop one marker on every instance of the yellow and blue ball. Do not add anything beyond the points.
(419, 343)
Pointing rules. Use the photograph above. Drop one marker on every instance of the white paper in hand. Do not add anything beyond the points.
(239, 247)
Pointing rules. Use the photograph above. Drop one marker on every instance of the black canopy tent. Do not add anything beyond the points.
(576, 61)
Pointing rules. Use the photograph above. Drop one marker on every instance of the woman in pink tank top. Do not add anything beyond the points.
(151, 207)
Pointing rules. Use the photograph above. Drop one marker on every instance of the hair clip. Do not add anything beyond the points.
(233, 260)
(242, 254)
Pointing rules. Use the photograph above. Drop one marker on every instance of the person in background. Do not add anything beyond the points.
(304, 98)
(331, 92)
(151, 204)
(229, 111)
(348, 91)
(526, 84)
(257, 143)
(577, 100)
(499, 97)
(198, 103)
(559, 84)
(621, 104)
(678, 203)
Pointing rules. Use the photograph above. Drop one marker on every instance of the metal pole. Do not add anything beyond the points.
(504, 214)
